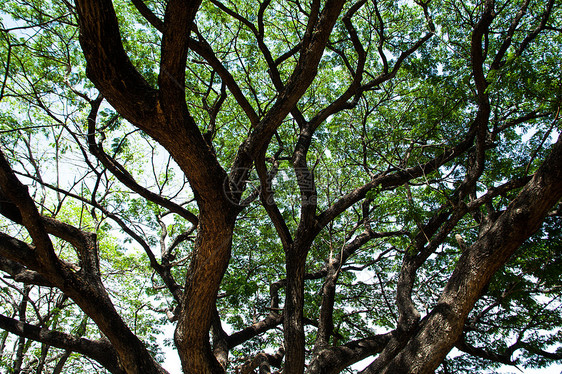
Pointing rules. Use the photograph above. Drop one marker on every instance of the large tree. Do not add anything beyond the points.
(297, 185)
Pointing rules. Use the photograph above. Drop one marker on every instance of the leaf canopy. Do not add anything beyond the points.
(305, 188)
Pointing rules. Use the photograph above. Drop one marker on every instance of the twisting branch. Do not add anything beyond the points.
(301, 78)
(163, 269)
(268, 200)
(272, 64)
(498, 63)
(85, 288)
(541, 26)
(331, 273)
(18, 194)
(305, 176)
(85, 243)
(272, 320)
(478, 264)
(464, 346)
(203, 49)
(108, 65)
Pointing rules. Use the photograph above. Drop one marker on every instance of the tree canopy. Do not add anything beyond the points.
(295, 186)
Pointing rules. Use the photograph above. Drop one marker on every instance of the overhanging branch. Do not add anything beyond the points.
(99, 351)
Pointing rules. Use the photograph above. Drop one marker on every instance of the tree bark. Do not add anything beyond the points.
(441, 328)
(293, 324)
(212, 254)
(101, 351)
(332, 360)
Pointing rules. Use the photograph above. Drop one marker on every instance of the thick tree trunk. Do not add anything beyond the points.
(211, 256)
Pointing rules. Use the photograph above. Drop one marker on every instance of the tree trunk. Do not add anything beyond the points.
(211, 257)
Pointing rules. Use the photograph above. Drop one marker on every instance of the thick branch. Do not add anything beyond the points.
(16, 192)
(439, 331)
(483, 353)
(85, 243)
(334, 359)
(18, 251)
(178, 21)
(108, 65)
(477, 54)
(237, 338)
(99, 351)
(19, 272)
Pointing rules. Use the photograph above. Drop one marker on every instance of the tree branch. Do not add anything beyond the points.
(333, 360)
(19, 272)
(121, 173)
(100, 351)
(462, 345)
(237, 338)
(204, 49)
(108, 65)
(441, 327)
(156, 22)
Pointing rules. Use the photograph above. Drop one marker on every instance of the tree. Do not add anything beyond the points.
(325, 182)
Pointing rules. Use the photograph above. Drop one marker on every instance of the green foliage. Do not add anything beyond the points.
(402, 123)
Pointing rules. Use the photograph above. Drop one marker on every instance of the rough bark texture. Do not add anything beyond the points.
(440, 329)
